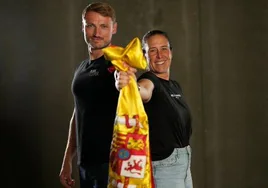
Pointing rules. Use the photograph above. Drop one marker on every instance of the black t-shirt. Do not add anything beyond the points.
(95, 98)
(168, 116)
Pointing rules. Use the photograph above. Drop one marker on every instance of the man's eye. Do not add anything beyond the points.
(104, 26)
(89, 25)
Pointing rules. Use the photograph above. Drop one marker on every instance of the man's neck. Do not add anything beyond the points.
(95, 54)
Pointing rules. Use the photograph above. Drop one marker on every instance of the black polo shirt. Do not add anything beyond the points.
(95, 98)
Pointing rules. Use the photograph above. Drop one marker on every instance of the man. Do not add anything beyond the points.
(168, 114)
(95, 98)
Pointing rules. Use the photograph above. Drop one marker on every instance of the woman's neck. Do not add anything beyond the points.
(164, 76)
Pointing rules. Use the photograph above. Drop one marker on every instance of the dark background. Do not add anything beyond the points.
(220, 59)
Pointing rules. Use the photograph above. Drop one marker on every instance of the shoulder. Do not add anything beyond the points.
(153, 78)
(150, 76)
(176, 84)
(82, 64)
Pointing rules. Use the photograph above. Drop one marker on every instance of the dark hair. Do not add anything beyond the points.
(102, 8)
(152, 33)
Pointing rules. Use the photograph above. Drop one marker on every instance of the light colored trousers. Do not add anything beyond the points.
(174, 171)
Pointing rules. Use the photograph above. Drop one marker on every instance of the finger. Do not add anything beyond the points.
(132, 74)
(123, 77)
(124, 81)
(131, 69)
(71, 183)
(120, 75)
(122, 84)
(64, 181)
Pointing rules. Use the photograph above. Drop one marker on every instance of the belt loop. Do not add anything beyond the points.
(188, 148)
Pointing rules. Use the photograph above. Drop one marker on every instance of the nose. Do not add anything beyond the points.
(158, 54)
(97, 31)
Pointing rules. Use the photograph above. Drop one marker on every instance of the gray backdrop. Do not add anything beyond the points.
(220, 59)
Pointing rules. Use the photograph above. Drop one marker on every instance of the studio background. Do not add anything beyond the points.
(219, 58)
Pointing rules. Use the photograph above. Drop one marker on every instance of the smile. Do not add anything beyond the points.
(160, 62)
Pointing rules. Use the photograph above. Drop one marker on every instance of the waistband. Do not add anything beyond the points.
(186, 149)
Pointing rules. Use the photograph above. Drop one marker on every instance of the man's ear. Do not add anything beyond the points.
(83, 26)
(115, 28)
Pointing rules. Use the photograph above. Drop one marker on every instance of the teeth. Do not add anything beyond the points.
(160, 63)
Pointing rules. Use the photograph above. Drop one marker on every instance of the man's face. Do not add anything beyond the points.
(158, 54)
(98, 30)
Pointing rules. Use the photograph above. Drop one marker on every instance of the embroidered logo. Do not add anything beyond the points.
(177, 96)
(93, 72)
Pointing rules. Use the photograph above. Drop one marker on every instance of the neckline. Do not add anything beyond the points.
(90, 62)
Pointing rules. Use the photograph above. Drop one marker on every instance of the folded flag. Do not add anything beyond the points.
(130, 159)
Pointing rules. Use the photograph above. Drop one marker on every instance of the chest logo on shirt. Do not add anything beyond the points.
(177, 96)
(111, 69)
(93, 72)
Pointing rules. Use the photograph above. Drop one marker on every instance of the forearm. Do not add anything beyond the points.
(70, 150)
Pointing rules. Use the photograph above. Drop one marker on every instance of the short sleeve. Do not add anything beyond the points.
(150, 76)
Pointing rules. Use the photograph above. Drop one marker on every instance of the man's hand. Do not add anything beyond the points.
(65, 176)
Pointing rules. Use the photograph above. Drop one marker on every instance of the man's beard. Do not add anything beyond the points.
(101, 47)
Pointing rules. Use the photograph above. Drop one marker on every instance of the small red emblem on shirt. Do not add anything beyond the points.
(111, 69)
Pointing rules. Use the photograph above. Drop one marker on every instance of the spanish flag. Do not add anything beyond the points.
(130, 160)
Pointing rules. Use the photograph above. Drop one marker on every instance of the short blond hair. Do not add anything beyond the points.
(102, 8)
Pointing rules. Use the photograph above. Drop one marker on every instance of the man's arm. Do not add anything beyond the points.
(70, 151)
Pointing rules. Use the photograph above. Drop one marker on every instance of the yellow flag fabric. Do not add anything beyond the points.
(130, 159)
